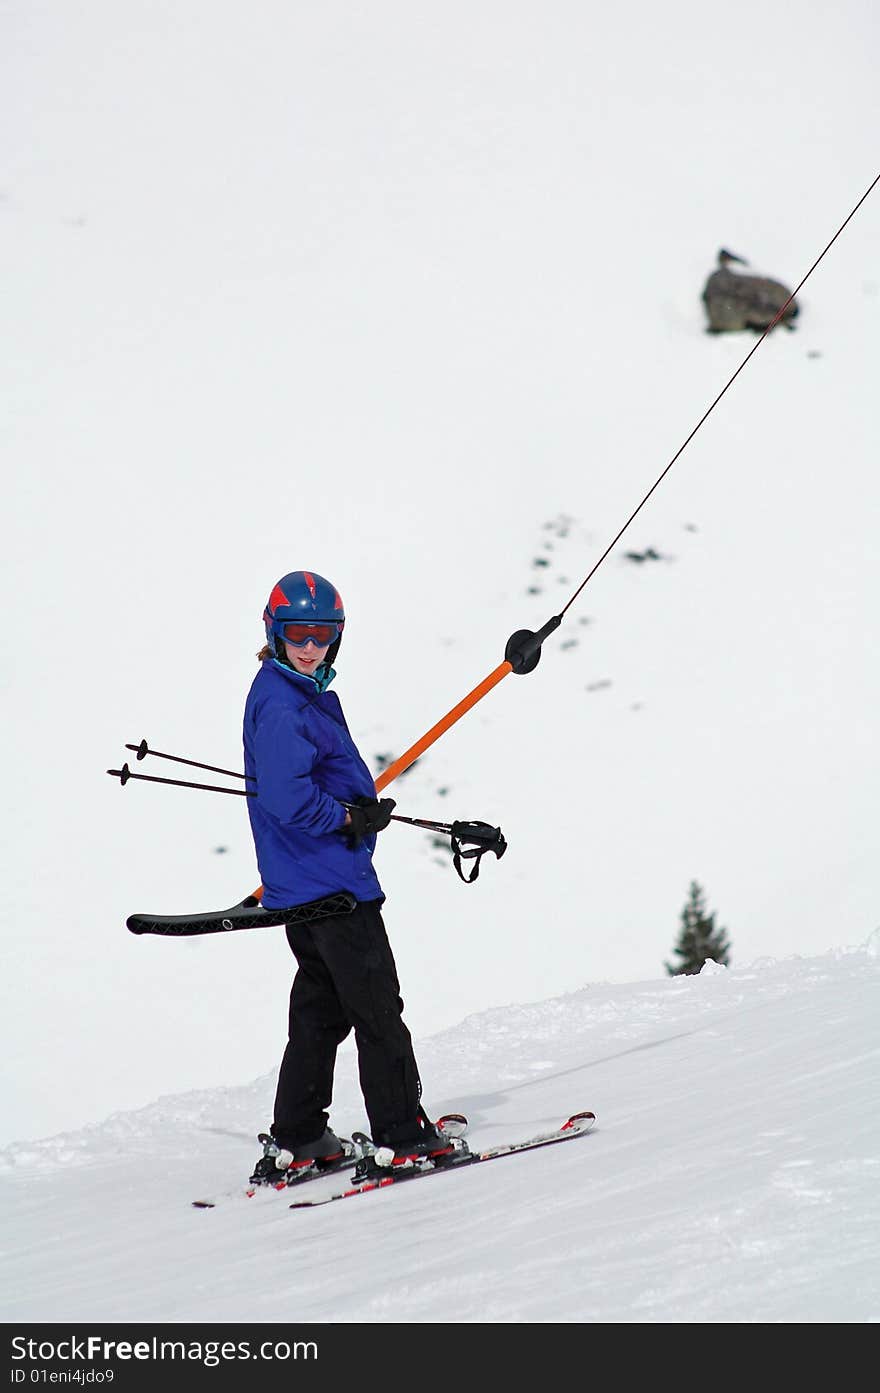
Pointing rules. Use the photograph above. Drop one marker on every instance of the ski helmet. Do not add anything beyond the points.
(302, 597)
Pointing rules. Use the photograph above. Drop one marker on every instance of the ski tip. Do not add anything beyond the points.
(452, 1124)
(579, 1122)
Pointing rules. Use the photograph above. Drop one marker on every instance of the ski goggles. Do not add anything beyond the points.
(321, 635)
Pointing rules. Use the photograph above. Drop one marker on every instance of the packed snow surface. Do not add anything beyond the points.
(733, 1176)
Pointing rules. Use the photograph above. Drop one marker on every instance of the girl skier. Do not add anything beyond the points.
(314, 820)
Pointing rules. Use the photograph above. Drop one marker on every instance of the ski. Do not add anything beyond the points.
(355, 1148)
(576, 1126)
(359, 1145)
(247, 1192)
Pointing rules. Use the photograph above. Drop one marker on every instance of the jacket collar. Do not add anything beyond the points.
(320, 682)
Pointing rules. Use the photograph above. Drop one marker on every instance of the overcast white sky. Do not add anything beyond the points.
(389, 294)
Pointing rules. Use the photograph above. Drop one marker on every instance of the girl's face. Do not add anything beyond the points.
(305, 658)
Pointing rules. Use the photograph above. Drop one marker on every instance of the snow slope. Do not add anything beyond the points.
(732, 1177)
(412, 298)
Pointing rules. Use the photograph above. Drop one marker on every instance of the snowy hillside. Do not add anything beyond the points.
(415, 301)
(733, 1177)
(410, 296)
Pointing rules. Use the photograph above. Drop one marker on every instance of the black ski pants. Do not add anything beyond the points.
(346, 980)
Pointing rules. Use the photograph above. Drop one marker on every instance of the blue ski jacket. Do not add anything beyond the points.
(300, 755)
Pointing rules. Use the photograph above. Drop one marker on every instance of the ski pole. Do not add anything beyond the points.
(124, 774)
(143, 749)
(423, 822)
(479, 836)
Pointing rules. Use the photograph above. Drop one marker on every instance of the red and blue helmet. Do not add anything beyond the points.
(299, 599)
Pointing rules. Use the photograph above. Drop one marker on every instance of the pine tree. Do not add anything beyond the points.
(698, 938)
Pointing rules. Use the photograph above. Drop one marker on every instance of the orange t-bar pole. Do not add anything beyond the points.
(411, 755)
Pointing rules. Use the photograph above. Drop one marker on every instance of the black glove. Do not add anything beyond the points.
(368, 815)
